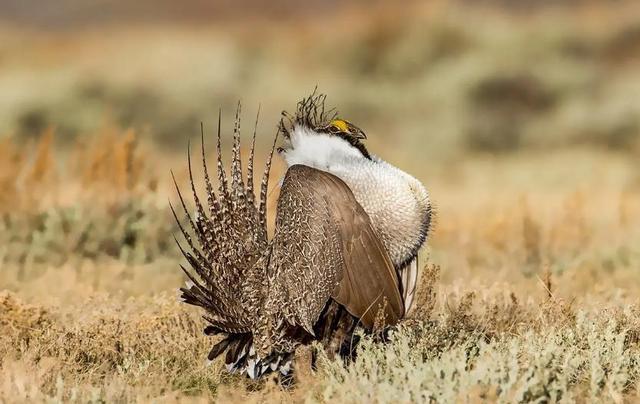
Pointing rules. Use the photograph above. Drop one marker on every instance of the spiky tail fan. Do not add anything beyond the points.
(225, 243)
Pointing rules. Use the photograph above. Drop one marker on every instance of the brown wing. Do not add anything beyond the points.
(325, 247)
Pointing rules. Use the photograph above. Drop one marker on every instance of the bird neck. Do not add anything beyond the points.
(319, 150)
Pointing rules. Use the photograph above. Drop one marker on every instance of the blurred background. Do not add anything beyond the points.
(434, 79)
(521, 117)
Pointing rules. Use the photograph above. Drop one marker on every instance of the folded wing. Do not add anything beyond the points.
(325, 248)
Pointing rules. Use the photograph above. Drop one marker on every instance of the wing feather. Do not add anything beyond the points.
(409, 277)
(369, 279)
(324, 248)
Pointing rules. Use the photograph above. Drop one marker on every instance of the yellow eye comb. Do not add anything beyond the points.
(341, 125)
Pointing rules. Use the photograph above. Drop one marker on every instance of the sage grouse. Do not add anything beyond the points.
(343, 254)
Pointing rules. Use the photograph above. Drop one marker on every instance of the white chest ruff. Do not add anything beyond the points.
(395, 202)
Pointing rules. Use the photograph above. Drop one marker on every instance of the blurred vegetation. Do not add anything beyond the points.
(443, 79)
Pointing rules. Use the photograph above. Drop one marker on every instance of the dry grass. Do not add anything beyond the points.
(529, 292)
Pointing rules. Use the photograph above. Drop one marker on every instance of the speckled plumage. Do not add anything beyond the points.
(347, 225)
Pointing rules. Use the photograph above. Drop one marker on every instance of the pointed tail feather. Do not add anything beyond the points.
(226, 243)
(237, 183)
(250, 192)
(265, 185)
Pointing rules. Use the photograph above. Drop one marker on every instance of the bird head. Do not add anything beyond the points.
(313, 118)
(343, 128)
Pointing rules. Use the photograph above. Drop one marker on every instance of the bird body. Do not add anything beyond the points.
(397, 203)
(343, 254)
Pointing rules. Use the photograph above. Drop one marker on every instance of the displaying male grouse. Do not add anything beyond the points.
(343, 252)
